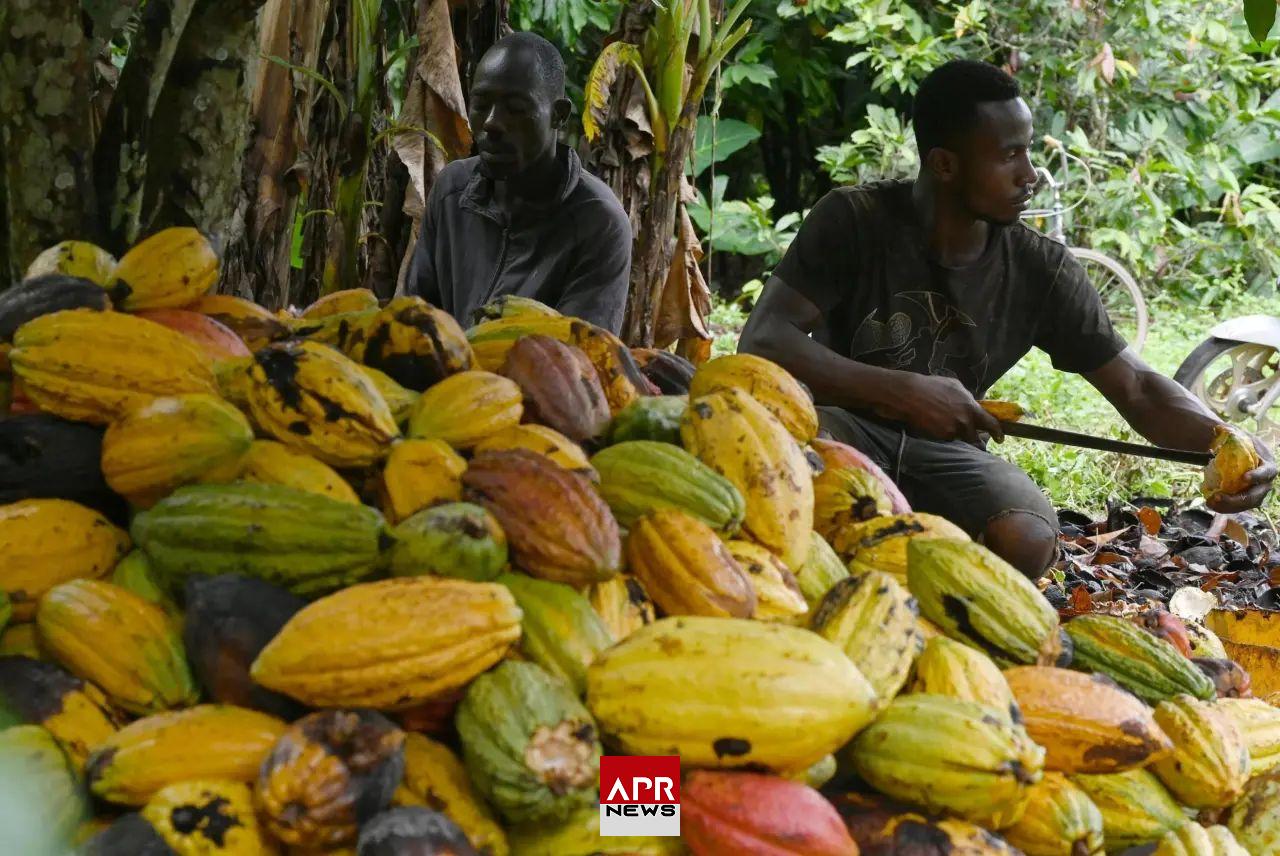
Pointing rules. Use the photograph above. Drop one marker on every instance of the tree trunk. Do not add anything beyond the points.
(44, 129)
(276, 166)
(198, 139)
(120, 158)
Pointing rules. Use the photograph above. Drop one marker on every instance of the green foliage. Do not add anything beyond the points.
(731, 135)
(745, 227)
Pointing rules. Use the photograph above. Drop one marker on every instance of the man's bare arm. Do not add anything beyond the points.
(1159, 409)
(778, 330)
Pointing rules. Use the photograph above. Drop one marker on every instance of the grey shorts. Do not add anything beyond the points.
(958, 481)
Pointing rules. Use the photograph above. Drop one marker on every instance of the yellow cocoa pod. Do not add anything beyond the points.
(466, 409)
(737, 437)
(1234, 456)
(74, 258)
(269, 462)
(46, 542)
(768, 383)
(435, 778)
(172, 441)
(209, 741)
(778, 595)
(169, 269)
(417, 475)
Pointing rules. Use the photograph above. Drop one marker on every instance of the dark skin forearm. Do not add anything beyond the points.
(1157, 407)
(1168, 415)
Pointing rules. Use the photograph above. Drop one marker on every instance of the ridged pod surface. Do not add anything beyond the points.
(1255, 818)
(642, 476)
(752, 813)
(844, 497)
(559, 629)
(209, 741)
(417, 475)
(1086, 723)
(529, 745)
(686, 568)
(491, 341)
(398, 398)
(543, 440)
(207, 816)
(314, 399)
(622, 604)
(168, 269)
(1136, 809)
(415, 343)
(336, 302)
(435, 778)
(766, 382)
(728, 692)
(556, 524)
(172, 441)
(44, 295)
(514, 306)
(218, 341)
(947, 755)
(456, 539)
(656, 418)
(390, 644)
(889, 829)
(1192, 839)
(880, 544)
(821, 570)
(778, 595)
(55, 805)
(74, 258)
(616, 369)
(836, 455)
(1209, 765)
(94, 366)
(1139, 661)
(327, 775)
(301, 541)
(46, 542)
(978, 598)
(74, 711)
(272, 462)
(950, 668)
(737, 437)
(1059, 820)
(118, 641)
(252, 323)
(1259, 725)
(559, 386)
(873, 620)
(466, 408)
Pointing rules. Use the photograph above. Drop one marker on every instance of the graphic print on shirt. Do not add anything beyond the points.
(925, 333)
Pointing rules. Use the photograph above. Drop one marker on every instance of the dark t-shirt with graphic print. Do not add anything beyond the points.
(862, 259)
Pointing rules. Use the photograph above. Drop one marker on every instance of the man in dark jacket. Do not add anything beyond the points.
(920, 294)
(522, 217)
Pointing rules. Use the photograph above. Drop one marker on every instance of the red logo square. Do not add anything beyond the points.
(648, 779)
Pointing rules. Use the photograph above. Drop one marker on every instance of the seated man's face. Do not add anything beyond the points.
(512, 115)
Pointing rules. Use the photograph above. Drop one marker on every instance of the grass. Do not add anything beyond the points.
(1083, 479)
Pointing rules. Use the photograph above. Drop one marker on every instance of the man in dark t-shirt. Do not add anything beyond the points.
(523, 217)
(900, 303)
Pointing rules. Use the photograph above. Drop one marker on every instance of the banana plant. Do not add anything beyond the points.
(673, 71)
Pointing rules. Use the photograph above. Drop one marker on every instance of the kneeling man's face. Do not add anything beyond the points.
(513, 118)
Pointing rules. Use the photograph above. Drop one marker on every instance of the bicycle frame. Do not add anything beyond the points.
(1057, 211)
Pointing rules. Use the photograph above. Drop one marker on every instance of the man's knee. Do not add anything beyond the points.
(1024, 539)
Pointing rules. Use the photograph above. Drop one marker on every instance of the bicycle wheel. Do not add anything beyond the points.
(1120, 295)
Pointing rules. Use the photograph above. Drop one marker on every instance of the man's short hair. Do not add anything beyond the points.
(947, 102)
(551, 74)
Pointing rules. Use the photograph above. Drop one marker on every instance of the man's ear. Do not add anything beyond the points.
(560, 112)
(943, 164)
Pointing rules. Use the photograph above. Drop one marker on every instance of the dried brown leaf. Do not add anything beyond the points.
(1151, 520)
